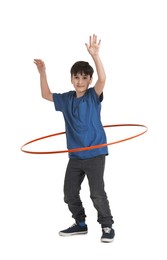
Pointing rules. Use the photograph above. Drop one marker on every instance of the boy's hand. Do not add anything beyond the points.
(40, 65)
(94, 46)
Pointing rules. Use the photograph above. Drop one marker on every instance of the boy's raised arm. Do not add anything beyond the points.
(93, 49)
(45, 91)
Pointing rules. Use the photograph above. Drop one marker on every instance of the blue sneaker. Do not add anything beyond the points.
(75, 229)
(108, 234)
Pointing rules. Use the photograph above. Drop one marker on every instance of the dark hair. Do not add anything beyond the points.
(81, 67)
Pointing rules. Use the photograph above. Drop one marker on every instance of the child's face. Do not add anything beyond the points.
(81, 83)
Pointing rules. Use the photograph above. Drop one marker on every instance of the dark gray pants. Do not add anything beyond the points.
(93, 168)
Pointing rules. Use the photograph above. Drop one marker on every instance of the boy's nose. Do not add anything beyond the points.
(79, 81)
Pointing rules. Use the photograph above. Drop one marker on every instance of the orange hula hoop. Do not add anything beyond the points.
(87, 147)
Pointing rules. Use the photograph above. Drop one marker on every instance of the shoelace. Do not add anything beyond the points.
(107, 230)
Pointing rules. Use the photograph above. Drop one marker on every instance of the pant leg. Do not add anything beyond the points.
(72, 185)
(94, 170)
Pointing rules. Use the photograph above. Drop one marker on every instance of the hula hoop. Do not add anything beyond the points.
(84, 148)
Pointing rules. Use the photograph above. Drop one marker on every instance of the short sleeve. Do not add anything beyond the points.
(98, 99)
(58, 101)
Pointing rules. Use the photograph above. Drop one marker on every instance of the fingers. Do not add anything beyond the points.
(93, 40)
(38, 62)
(40, 65)
(99, 42)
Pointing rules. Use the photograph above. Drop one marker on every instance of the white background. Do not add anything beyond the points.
(134, 53)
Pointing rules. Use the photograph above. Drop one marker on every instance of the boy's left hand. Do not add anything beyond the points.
(94, 46)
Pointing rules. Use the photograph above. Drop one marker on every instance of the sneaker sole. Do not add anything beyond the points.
(106, 240)
(71, 234)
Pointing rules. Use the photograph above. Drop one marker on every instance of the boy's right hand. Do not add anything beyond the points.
(40, 65)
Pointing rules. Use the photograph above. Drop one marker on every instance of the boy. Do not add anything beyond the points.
(81, 111)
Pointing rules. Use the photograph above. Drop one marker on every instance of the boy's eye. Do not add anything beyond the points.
(77, 77)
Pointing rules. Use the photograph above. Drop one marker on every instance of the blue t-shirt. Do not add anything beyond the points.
(82, 122)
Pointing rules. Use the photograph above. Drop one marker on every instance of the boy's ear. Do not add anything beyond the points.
(91, 80)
